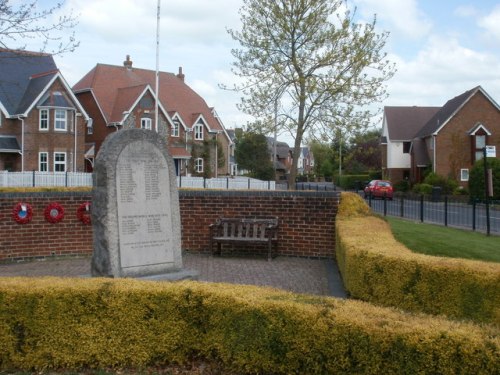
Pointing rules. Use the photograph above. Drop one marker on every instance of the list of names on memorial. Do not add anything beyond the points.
(143, 200)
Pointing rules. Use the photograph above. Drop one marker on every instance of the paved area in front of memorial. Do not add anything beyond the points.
(300, 275)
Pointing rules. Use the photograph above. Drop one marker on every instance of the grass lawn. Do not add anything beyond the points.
(444, 241)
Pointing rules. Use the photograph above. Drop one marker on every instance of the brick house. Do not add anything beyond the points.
(42, 124)
(118, 97)
(305, 164)
(447, 140)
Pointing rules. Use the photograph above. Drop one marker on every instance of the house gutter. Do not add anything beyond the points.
(434, 151)
(21, 118)
(76, 137)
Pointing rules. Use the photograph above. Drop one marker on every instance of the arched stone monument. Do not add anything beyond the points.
(135, 207)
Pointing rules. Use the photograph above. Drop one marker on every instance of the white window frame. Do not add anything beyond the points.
(464, 174)
(198, 165)
(60, 124)
(175, 128)
(58, 162)
(198, 132)
(43, 120)
(43, 162)
(146, 123)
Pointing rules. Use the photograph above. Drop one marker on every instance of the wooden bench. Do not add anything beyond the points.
(243, 230)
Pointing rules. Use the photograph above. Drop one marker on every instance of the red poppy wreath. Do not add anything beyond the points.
(54, 213)
(22, 213)
(83, 213)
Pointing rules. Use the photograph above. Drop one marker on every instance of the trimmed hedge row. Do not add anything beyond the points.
(377, 268)
(53, 323)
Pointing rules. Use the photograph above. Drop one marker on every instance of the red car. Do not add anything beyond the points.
(379, 189)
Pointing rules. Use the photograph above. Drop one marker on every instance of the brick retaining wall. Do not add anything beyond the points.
(306, 219)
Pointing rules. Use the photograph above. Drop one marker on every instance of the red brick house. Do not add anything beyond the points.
(42, 124)
(446, 140)
(118, 97)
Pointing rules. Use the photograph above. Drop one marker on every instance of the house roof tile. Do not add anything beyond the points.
(445, 113)
(404, 122)
(9, 144)
(22, 77)
(176, 96)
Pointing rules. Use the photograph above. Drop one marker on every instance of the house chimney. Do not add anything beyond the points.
(128, 63)
(180, 75)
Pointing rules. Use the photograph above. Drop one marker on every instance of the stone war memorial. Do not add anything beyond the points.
(135, 208)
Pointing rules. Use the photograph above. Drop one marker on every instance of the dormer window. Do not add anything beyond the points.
(175, 128)
(146, 123)
(198, 132)
(479, 140)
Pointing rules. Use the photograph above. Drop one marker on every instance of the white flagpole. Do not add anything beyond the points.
(157, 63)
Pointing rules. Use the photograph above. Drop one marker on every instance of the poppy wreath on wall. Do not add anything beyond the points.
(83, 213)
(22, 213)
(54, 213)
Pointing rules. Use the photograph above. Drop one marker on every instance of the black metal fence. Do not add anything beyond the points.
(449, 211)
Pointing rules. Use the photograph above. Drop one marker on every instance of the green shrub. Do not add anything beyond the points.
(448, 185)
(378, 269)
(402, 186)
(73, 324)
(422, 189)
(476, 178)
(351, 182)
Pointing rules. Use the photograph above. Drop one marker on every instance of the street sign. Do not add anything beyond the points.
(491, 151)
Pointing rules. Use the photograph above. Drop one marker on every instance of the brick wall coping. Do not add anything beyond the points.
(46, 194)
(262, 193)
(186, 193)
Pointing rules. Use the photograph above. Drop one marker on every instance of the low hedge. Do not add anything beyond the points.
(54, 323)
(377, 268)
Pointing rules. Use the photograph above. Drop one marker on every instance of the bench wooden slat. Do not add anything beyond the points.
(244, 230)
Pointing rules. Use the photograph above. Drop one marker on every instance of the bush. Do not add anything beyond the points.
(376, 268)
(448, 185)
(351, 182)
(476, 178)
(72, 324)
(422, 189)
(402, 186)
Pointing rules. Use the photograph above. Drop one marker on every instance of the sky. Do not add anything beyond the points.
(441, 48)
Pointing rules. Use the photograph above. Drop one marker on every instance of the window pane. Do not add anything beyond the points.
(43, 165)
(146, 123)
(59, 162)
(479, 155)
(480, 141)
(44, 119)
(60, 119)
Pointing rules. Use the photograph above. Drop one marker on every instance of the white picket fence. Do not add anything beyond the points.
(35, 179)
(232, 183)
(70, 179)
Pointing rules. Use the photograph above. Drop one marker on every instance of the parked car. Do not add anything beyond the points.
(379, 189)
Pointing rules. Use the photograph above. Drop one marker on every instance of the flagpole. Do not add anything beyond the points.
(157, 78)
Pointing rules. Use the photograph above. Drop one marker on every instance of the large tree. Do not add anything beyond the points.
(314, 59)
(252, 153)
(24, 24)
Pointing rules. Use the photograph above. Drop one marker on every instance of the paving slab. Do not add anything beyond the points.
(299, 275)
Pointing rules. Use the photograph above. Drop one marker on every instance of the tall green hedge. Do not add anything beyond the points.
(54, 323)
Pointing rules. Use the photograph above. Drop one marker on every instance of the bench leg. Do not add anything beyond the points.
(270, 250)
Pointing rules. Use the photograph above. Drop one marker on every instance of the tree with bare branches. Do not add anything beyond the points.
(28, 26)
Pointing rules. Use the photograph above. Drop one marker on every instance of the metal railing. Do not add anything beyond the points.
(449, 211)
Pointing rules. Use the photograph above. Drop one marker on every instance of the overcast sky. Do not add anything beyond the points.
(441, 47)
